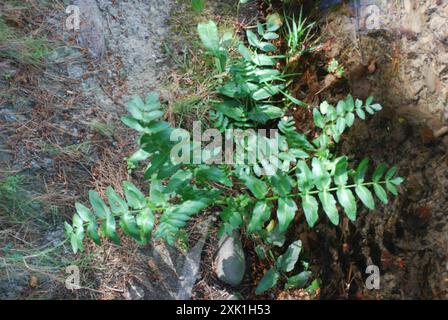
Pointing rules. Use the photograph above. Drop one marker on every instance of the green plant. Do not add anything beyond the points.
(23, 49)
(198, 5)
(335, 68)
(306, 174)
(297, 34)
(283, 265)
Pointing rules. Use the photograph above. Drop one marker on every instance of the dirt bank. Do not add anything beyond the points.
(401, 59)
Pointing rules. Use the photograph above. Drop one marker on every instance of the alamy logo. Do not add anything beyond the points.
(72, 282)
(373, 280)
(72, 22)
(233, 147)
(370, 14)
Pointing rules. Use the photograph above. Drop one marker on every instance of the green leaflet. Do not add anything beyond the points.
(252, 38)
(270, 36)
(231, 109)
(158, 161)
(361, 171)
(286, 211)
(232, 220)
(305, 180)
(264, 113)
(361, 113)
(99, 207)
(281, 184)
(208, 32)
(310, 208)
(255, 42)
(273, 22)
(392, 189)
(349, 103)
(145, 221)
(377, 175)
(341, 124)
(319, 120)
(245, 52)
(135, 107)
(268, 281)
(263, 60)
(92, 232)
(177, 216)
(348, 202)
(138, 156)
(118, 205)
(300, 280)
(205, 173)
(132, 123)
(397, 181)
(129, 225)
(109, 229)
(340, 174)
(349, 119)
(380, 193)
(329, 206)
(134, 196)
(156, 193)
(84, 212)
(179, 180)
(390, 173)
(266, 75)
(322, 178)
(294, 100)
(261, 214)
(366, 196)
(266, 92)
(198, 5)
(258, 187)
(76, 234)
(288, 260)
(275, 236)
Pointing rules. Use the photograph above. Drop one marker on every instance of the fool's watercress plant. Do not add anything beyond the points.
(305, 176)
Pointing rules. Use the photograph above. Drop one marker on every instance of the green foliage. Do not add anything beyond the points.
(334, 121)
(335, 68)
(297, 33)
(27, 49)
(198, 5)
(252, 79)
(304, 175)
(282, 267)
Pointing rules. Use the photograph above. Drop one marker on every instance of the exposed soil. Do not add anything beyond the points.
(403, 65)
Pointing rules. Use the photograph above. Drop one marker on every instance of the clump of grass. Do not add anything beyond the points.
(22, 49)
(33, 252)
(193, 79)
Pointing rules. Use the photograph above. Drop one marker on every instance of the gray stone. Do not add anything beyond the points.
(235, 296)
(191, 268)
(134, 291)
(230, 260)
(92, 29)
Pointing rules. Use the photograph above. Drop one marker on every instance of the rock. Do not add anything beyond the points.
(133, 291)
(191, 268)
(5, 154)
(235, 296)
(230, 260)
(92, 29)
